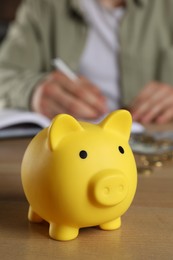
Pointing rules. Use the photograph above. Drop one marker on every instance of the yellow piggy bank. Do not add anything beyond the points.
(78, 174)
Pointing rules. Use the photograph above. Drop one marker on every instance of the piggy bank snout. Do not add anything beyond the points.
(109, 187)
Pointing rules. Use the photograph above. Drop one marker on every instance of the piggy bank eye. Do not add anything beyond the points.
(83, 154)
(121, 149)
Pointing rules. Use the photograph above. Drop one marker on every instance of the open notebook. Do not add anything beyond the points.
(17, 123)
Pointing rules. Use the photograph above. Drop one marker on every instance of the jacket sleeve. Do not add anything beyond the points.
(23, 55)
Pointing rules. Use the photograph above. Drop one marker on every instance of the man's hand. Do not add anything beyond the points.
(58, 94)
(153, 104)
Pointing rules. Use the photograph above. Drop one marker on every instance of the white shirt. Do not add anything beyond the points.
(99, 61)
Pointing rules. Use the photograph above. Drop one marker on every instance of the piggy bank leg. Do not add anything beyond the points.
(34, 217)
(111, 225)
(62, 232)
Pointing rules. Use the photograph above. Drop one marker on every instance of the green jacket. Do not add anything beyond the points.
(45, 29)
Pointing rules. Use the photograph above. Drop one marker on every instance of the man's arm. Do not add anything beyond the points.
(153, 104)
(21, 57)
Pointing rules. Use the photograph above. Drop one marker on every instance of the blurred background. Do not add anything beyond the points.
(7, 14)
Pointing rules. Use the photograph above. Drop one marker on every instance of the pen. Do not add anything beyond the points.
(61, 66)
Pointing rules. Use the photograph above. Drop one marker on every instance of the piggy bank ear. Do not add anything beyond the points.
(119, 121)
(61, 126)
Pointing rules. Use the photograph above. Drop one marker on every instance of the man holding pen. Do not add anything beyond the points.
(60, 93)
(120, 51)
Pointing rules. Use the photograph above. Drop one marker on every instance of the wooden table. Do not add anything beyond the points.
(146, 232)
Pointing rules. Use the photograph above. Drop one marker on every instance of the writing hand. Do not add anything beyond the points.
(58, 94)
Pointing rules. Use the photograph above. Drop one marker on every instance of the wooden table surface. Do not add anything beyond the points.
(146, 231)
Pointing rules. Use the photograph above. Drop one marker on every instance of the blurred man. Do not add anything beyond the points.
(120, 50)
